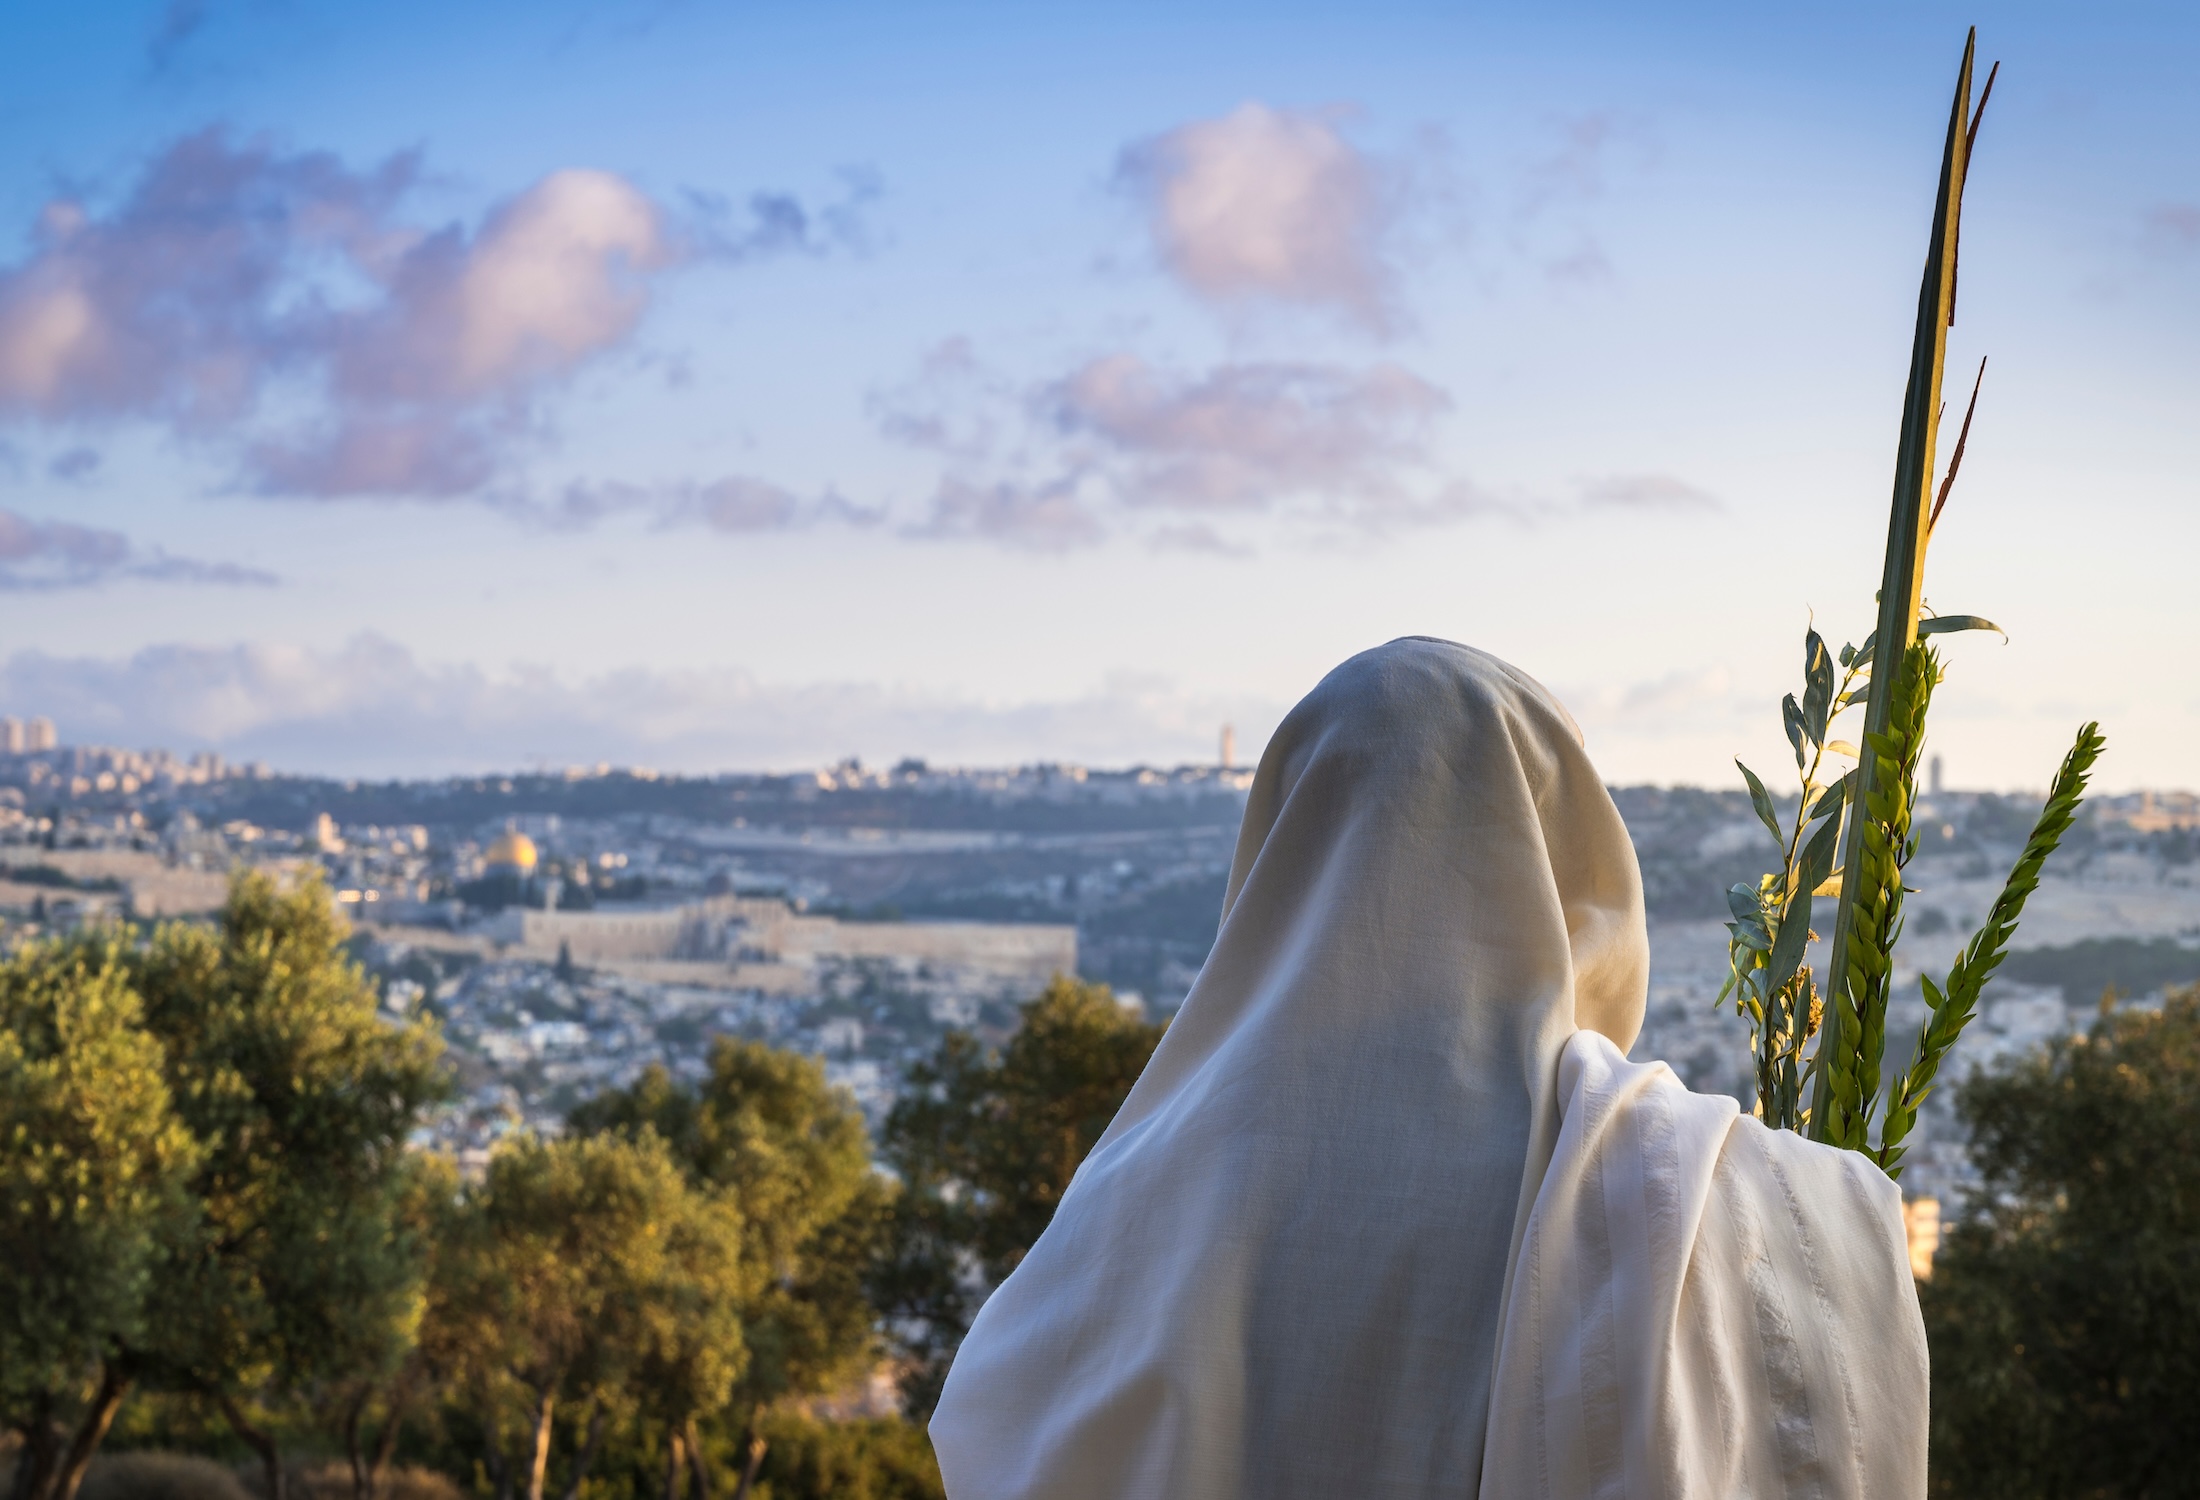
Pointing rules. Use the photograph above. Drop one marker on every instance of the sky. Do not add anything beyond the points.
(412, 389)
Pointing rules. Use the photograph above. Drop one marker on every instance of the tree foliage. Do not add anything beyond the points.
(204, 1157)
(766, 1130)
(581, 1270)
(765, 1134)
(94, 1166)
(985, 1144)
(2064, 1311)
(298, 1272)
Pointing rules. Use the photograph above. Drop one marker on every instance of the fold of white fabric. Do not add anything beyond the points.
(1280, 1272)
(1703, 1307)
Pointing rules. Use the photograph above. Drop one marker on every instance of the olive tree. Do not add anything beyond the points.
(985, 1144)
(299, 1271)
(94, 1166)
(2062, 1310)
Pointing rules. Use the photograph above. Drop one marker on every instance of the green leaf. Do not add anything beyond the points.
(1761, 799)
(1949, 624)
(1817, 686)
(1831, 800)
(1742, 901)
(1789, 946)
(1749, 918)
(1818, 855)
(1791, 714)
(1863, 656)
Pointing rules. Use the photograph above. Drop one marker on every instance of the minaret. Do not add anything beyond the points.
(1229, 747)
(1936, 783)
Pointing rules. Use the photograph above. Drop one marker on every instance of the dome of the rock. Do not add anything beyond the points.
(514, 852)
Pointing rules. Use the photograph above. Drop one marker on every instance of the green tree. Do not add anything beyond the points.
(985, 1145)
(93, 1172)
(580, 1269)
(2064, 1311)
(765, 1132)
(299, 1273)
(393, 1379)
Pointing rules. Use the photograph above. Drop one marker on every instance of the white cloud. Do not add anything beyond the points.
(372, 708)
(1269, 204)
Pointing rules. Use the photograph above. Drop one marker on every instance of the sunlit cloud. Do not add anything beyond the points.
(284, 309)
(1270, 205)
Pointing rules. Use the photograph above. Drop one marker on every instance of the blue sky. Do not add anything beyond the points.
(412, 388)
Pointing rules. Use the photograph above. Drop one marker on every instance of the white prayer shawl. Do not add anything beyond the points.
(1288, 1267)
(1702, 1306)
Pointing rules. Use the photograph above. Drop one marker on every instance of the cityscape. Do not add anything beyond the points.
(569, 929)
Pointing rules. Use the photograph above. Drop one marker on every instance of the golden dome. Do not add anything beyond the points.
(514, 851)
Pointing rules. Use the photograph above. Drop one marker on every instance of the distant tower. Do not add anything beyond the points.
(40, 735)
(1936, 782)
(1229, 747)
(11, 736)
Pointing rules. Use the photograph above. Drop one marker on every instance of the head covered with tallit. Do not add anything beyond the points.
(1281, 1272)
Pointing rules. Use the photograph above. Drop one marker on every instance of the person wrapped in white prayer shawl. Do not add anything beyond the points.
(1389, 1213)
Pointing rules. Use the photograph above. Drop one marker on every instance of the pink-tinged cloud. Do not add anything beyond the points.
(1048, 516)
(1271, 205)
(1645, 492)
(40, 555)
(1066, 463)
(2174, 226)
(554, 277)
(1251, 436)
(733, 505)
(175, 304)
(428, 383)
(285, 309)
